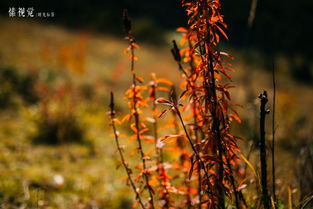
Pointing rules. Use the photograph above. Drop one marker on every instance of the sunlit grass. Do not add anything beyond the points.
(30, 174)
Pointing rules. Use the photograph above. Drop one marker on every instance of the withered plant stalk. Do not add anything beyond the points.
(265, 198)
(273, 134)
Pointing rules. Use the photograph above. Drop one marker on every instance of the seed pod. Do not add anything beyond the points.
(126, 21)
(175, 52)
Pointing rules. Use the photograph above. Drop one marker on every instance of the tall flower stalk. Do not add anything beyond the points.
(136, 101)
(206, 84)
(120, 151)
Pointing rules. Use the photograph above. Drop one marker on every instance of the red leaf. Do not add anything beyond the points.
(235, 117)
(182, 29)
(140, 79)
(171, 136)
(162, 113)
(227, 95)
(135, 204)
(222, 32)
(163, 101)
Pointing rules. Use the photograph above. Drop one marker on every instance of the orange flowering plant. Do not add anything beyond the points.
(199, 169)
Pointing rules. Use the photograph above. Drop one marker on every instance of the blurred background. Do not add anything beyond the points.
(56, 150)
